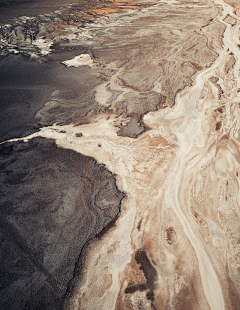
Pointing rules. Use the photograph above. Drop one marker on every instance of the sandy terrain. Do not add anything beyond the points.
(146, 116)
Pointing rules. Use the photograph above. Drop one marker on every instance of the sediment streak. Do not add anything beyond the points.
(186, 135)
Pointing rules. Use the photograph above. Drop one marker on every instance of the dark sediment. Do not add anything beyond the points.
(52, 202)
(57, 93)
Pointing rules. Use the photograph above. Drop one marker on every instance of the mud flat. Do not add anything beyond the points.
(122, 188)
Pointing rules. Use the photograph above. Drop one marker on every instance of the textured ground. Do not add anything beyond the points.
(119, 157)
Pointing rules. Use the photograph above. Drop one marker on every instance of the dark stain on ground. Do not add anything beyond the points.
(147, 268)
(170, 235)
(139, 225)
(133, 129)
(135, 109)
(218, 126)
(79, 134)
(134, 288)
(149, 272)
